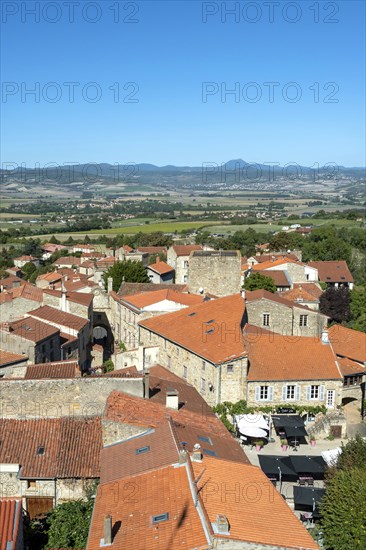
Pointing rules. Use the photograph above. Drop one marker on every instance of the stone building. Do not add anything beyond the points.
(292, 370)
(203, 345)
(49, 461)
(335, 274)
(37, 340)
(160, 272)
(274, 313)
(127, 311)
(216, 272)
(17, 302)
(76, 332)
(178, 258)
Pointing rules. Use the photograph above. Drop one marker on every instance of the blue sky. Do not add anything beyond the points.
(173, 49)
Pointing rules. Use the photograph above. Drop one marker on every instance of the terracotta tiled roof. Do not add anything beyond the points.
(134, 288)
(68, 260)
(333, 272)
(145, 299)
(161, 268)
(153, 249)
(123, 459)
(25, 258)
(348, 343)
(133, 501)
(51, 247)
(277, 357)
(188, 423)
(10, 518)
(278, 276)
(56, 369)
(274, 263)
(268, 257)
(8, 358)
(9, 282)
(186, 249)
(255, 510)
(26, 291)
(59, 318)
(30, 329)
(211, 330)
(299, 294)
(254, 295)
(51, 277)
(349, 367)
(82, 298)
(71, 447)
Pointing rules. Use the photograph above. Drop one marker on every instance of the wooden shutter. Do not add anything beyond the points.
(257, 393)
(270, 393)
(321, 393)
(308, 390)
(284, 392)
(297, 393)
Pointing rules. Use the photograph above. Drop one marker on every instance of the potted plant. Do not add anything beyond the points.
(284, 444)
(258, 445)
(312, 441)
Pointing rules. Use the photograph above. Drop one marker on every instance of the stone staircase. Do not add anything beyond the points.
(321, 427)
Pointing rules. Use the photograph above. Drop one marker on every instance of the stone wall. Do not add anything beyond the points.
(217, 272)
(15, 309)
(278, 396)
(71, 307)
(202, 374)
(118, 431)
(285, 320)
(47, 350)
(56, 398)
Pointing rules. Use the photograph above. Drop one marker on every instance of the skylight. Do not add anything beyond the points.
(210, 321)
(142, 450)
(160, 518)
(210, 331)
(205, 439)
(191, 314)
(40, 450)
(209, 452)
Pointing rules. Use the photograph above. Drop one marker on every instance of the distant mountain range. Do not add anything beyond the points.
(144, 173)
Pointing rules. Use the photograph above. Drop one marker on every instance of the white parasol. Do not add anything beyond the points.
(253, 431)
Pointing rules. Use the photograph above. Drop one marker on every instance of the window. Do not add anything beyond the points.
(290, 392)
(185, 264)
(161, 517)
(51, 344)
(43, 348)
(203, 366)
(203, 384)
(142, 450)
(314, 392)
(264, 393)
(303, 321)
(209, 452)
(205, 439)
(266, 319)
(185, 372)
(168, 361)
(230, 369)
(40, 450)
(31, 484)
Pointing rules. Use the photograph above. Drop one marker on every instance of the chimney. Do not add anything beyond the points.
(325, 336)
(63, 305)
(110, 284)
(243, 293)
(107, 530)
(196, 453)
(157, 259)
(222, 524)
(172, 399)
(183, 454)
(146, 384)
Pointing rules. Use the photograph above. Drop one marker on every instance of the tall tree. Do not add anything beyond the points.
(257, 281)
(335, 303)
(128, 270)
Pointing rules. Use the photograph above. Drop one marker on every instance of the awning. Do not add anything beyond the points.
(293, 425)
(307, 497)
(331, 456)
(313, 465)
(277, 466)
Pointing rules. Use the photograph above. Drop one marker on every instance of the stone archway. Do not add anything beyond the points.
(102, 333)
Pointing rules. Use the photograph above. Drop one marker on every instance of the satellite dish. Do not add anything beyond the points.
(201, 290)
